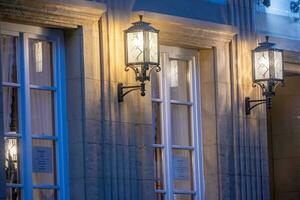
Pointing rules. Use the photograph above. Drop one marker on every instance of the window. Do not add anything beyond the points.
(176, 126)
(33, 112)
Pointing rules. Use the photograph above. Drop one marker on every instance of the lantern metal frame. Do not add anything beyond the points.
(266, 3)
(295, 6)
(268, 86)
(142, 70)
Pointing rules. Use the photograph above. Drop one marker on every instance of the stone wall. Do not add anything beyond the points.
(110, 143)
(249, 177)
(126, 136)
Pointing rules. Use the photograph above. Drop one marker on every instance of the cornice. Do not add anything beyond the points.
(188, 32)
(54, 13)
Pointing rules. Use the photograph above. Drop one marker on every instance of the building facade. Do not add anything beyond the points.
(65, 135)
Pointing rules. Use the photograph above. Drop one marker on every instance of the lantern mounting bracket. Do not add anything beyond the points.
(248, 102)
(268, 91)
(140, 75)
(122, 93)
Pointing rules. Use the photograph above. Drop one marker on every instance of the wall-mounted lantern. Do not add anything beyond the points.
(266, 3)
(294, 6)
(141, 54)
(267, 69)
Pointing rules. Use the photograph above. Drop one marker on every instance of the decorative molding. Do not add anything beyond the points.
(186, 32)
(53, 13)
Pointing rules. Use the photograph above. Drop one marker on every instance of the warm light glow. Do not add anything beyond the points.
(135, 47)
(278, 62)
(268, 65)
(262, 65)
(11, 149)
(153, 47)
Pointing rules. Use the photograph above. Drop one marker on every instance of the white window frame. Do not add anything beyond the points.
(56, 37)
(192, 56)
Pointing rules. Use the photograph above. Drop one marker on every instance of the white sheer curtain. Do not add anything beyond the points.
(10, 113)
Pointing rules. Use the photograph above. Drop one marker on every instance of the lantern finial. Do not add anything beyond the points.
(141, 17)
(267, 38)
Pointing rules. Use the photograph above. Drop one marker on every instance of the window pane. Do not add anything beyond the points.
(40, 62)
(159, 196)
(12, 160)
(42, 112)
(43, 194)
(155, 84)
(9, 51)
(158, 167)
(183, 197)
(181, 125)
(156, 123)
(43, 162)
(182, 169)
(179, 80)
(10, 110)
(13, 193)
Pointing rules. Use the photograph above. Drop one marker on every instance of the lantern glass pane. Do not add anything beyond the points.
(278, 64)
(262, 65)
(153, 47)
(135, 47)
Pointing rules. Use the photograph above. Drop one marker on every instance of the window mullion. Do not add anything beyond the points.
(197, 128)
(25, 117)
(167, 128)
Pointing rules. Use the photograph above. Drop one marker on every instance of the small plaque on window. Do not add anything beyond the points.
(42, 159)
(181, 168)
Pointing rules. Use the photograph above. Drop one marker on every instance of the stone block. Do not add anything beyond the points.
(74, 99)
(76, 160)
(93, 131)
(265, 188)
(92, 89)
(222, 64)
(93, 191)
(207, 66)
(210, 160)
(75, 131)
(208, 104)
(225, 130)
(74, 62)
(211, 187)
(94, 160)
(226, 159)
(77, 188)
(227, 187)
(223, 99)
(209, 132)
(92, 109)
(143, 135)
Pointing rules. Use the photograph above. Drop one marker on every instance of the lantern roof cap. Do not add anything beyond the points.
(265, 46)
(141, 26)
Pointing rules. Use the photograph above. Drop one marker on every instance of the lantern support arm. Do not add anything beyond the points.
(122, 93)
(258, 102)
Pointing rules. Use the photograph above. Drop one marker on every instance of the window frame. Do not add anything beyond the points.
(192, 57)
(56, 38)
